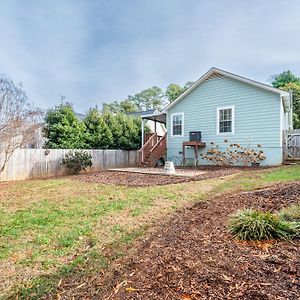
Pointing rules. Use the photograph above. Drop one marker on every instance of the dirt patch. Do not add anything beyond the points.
(140, 180)
(192, 256)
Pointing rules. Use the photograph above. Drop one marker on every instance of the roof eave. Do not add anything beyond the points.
(230, 75)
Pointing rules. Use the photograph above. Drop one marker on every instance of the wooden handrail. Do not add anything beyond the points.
(153, 149)
(158, 142)
(148, 142)
(158, 150)
(147, 135)
(145, 150)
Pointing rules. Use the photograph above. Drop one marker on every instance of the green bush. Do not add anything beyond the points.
(77, 161)
(249, 224)
(290, 214)
(64, 130)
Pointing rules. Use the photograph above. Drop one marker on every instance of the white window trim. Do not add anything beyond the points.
(232, 107)
(182, 127)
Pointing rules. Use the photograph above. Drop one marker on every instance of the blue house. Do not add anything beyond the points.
(226, 110)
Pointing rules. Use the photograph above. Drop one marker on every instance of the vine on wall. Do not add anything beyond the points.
(233, 154)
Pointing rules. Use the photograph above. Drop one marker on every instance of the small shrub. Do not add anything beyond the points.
(77, 161)
(249, 224)
(290, 214)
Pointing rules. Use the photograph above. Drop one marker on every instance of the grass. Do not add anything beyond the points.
(261, 178)
(252, 225)
(290, 214)
(50, 227)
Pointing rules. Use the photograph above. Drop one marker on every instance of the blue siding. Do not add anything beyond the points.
(257, 118)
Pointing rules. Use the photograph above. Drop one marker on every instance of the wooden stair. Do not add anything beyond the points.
(154, 148)
(292, 161)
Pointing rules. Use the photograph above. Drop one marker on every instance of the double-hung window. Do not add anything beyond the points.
(225, 120)
(177, 124)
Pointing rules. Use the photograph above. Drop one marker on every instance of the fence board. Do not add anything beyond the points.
(291, 144)
(34, 163)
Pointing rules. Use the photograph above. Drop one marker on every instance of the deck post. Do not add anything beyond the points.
(142, 139)
(196, 145)
(183, 155)
(143, 132)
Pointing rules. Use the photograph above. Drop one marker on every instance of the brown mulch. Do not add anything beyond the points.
(192, 256)
(141, 180)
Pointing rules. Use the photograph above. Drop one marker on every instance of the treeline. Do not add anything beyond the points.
(63, 130)
(151, 98)
(112, 127)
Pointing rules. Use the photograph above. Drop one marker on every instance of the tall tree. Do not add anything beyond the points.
(19, 119)
(148, 99)
(295, 88)
(126, 131)
(173, 91)
(97, 134)
(115, 107)
(115, 128)
(127, 106)
(290, 82)
(280, 80)
(188, 85)
(131, 132)
(63, 129)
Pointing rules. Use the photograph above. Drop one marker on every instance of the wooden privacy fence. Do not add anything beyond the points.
(291, 144)
(39, 163)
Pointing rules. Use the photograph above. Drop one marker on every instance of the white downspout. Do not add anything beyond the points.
(291, 112)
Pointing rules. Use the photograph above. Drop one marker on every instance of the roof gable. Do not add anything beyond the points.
(215, 72)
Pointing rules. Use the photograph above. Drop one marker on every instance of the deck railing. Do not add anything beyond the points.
(153, 149)
(145, 150)
(158, 150)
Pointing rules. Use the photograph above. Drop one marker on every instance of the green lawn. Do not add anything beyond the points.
(49, 227)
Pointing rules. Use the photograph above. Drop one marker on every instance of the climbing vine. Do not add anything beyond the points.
(234, 154)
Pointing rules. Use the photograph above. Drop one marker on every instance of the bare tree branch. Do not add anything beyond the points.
(19, 119)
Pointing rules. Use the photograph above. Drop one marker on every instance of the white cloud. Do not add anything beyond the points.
(93, 51)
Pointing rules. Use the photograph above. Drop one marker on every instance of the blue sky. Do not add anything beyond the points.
(100, 51)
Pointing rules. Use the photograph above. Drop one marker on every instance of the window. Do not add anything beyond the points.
(177, 124)
(225, 120)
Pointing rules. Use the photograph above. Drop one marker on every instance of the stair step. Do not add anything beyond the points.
(292, 161)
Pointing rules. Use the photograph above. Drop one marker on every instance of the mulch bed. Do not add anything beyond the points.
(192, 256)
(141, 180)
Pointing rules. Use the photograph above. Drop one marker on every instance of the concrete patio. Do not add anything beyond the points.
(160, 171)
